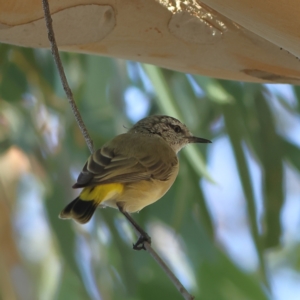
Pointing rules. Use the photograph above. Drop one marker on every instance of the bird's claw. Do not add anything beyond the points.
(139, 245)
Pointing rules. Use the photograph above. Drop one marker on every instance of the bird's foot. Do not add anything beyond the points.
(139, 245)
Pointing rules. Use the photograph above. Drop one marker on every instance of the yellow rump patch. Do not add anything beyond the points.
(101, 193)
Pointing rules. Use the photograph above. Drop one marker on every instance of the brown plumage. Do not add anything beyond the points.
(132, 170)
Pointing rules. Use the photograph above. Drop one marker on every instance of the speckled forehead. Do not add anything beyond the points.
(167, 119)
(158, 121)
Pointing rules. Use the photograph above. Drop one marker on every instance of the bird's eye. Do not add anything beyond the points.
(177, 129)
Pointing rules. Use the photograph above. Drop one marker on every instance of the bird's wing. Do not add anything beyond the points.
(129, 158)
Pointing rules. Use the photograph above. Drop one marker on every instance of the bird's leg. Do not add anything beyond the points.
(144, 237)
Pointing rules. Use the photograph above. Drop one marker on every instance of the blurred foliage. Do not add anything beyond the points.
(63, 260)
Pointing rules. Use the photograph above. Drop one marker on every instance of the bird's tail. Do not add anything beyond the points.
(79, 210)
(83, 207)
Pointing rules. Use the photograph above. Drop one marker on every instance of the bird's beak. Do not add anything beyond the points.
(194, 139)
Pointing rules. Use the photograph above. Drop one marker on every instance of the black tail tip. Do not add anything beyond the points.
(79, 210)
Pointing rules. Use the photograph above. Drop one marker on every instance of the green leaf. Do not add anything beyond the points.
(291, 152)
(271, 159)
(13, 82)
(214, 90)
(232, 121)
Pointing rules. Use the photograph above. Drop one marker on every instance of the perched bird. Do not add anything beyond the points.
(132, 170)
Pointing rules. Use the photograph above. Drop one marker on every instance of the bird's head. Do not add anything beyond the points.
(175, 133)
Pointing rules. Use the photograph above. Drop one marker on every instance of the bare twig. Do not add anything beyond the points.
(63, 78)
(89, 141)
(186, 295)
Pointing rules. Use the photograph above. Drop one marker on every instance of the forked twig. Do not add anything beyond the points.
(89, 141)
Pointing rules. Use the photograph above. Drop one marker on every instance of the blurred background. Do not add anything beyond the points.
(229, 226)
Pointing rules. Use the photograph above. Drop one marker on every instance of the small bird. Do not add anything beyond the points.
(131, 171)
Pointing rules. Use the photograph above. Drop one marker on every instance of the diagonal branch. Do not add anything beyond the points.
(181, 289)
(63, 78)
(89, 141)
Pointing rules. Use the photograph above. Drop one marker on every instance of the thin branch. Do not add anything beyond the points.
(89, 141)
(182, 290)
(63, 78)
